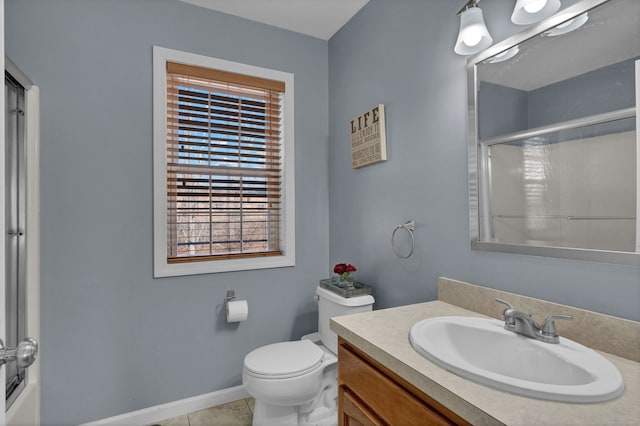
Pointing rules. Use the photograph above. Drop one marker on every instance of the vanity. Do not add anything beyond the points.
(383, 380)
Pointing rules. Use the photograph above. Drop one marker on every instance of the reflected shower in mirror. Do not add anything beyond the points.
(552, 140)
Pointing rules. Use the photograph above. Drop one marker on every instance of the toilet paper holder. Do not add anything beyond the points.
(231, 294)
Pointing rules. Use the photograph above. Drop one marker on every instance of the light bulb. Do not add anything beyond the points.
(472, 38)
(531, 11)
(535, 6)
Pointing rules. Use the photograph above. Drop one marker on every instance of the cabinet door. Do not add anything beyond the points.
(382, 395)
(353, 412)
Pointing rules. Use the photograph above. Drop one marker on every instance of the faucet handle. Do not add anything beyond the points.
(508, 321)
(510, 306)
(504, 302)
(548, 327)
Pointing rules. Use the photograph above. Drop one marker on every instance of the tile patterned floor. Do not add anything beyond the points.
(236, 413)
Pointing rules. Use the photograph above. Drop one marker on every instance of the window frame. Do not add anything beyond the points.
(162, 268)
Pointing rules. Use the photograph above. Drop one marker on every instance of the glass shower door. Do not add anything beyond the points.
(15, 214)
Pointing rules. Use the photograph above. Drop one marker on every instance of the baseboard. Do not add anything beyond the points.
(173, 409)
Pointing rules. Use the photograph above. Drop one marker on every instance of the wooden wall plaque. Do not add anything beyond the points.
(368, 138)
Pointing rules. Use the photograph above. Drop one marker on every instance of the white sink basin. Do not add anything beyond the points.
(482, 350)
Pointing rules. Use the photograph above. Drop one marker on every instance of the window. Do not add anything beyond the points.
(223, 165)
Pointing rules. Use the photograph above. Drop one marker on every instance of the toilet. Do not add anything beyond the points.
(296, 383)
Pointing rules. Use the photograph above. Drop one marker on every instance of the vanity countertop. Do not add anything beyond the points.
(384, 336)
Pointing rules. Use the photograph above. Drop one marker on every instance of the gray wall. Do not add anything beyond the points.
(113, 338)
(502, 110)
(505, 110)
(595, 92)
(400, 54)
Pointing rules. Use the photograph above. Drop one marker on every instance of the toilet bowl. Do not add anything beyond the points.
(289, 382)
(295, 383)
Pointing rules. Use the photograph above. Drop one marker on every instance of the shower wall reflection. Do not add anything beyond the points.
(578, 193)
(575, 187)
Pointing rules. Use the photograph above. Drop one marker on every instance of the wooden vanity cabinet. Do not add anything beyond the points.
(370, 394)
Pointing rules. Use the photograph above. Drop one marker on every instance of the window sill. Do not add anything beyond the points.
(163, 269)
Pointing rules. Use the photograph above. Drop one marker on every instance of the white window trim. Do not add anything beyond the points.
(161, 267)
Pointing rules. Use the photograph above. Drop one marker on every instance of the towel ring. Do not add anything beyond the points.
(408, 226)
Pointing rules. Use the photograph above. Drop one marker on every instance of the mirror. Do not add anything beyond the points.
(553, 149)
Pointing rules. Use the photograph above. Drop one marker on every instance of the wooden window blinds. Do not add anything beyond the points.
(224, 167)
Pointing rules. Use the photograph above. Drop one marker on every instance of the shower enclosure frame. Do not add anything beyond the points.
(25, 408)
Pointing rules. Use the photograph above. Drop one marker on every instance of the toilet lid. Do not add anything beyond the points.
(284, 359)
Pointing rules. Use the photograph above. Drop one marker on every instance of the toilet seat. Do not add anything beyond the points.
(284, 360)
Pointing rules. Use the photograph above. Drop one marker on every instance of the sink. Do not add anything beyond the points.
(481, 350)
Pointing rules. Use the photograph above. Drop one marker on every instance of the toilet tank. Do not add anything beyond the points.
(332, 305)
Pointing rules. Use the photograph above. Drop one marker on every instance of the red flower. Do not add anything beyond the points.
(342, 268)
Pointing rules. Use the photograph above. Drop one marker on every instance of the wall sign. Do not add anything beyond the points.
(368, 138)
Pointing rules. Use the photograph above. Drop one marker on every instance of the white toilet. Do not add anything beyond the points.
(296, 383)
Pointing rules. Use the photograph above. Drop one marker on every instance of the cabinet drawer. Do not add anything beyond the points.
(386, 398)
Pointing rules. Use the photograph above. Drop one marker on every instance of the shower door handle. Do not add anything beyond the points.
(24, 354)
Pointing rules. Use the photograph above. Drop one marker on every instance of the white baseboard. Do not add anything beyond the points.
(173, 409)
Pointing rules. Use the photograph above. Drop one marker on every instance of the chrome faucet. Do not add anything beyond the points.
(523, 323)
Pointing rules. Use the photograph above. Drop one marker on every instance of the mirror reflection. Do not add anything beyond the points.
(554, 135)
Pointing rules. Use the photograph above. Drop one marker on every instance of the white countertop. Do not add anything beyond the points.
(384, 336)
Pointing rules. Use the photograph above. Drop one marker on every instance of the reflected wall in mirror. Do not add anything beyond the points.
(553, 146)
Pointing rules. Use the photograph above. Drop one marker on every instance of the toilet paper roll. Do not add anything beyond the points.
(237, 310)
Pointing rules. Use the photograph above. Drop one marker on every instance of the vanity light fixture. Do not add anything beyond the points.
(473, 36)
(503, 56)
(570, 25)
(530, 11)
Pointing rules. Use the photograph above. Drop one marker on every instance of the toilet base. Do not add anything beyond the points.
(322, 416)
(272, 415)
(321, 411)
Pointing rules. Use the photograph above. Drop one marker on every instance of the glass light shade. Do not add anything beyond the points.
(570, 25)
(531, 11)
(503, 56)
(473, 36)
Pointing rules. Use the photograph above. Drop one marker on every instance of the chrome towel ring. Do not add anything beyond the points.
(408, 226)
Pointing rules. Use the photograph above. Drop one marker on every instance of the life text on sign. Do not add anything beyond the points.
(368, 138)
